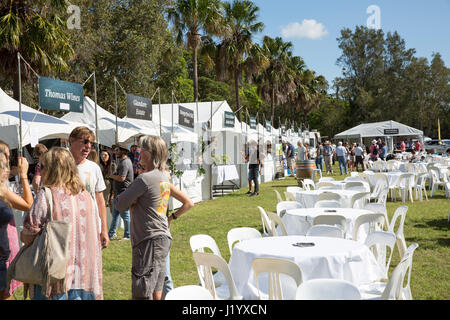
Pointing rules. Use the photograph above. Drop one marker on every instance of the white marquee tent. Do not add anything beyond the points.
(36, 125)
(127, 131)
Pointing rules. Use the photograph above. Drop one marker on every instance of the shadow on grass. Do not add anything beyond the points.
(437, 224)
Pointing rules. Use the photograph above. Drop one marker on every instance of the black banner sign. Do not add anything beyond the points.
(139, 107)
(390, 131)
(185, 117)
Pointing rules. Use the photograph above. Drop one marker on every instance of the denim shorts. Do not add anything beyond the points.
(253, 173)
(73, 294)
(148, 267)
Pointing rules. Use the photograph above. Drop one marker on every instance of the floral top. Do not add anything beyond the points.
(84, 269)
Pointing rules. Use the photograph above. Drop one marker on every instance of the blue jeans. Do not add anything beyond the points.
(343, 163)
(168, 284)
(319, 163)
(74, 294)
(125, 215)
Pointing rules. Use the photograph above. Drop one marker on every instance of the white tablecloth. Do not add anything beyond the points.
(309, 197)
(329, 258)
(297, 221)
(224, 173)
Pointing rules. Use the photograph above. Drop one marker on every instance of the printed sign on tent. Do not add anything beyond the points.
(185, 117)
(60, 95)
(252, 122)
(391, 131)
(283, 129)
(229, 119)
(139, 107)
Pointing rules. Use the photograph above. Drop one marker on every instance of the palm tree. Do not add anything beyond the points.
(189, 19)
(275, 82)
(237, 54)
(37, 32)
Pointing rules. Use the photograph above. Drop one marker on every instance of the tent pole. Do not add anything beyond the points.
(210, 141)
(159, 103)
(172, 112)
(115, 96)
(20, 105)
(96, 118)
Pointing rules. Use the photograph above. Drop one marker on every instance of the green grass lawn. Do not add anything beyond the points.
(426, 223)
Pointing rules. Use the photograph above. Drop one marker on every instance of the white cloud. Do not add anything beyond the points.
(310, 29)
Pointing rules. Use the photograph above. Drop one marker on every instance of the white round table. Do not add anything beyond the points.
(329, 258)
(298, 221)
(309, 197)
(340, 185)
(393, 177)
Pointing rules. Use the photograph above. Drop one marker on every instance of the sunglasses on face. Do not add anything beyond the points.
(86, 141)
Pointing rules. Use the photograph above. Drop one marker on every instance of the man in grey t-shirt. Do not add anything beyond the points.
(121, 181)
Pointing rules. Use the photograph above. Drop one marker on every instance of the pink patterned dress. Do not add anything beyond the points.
(14, 248)
(84, 269)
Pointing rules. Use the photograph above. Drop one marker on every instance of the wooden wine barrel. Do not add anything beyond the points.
(305, 169)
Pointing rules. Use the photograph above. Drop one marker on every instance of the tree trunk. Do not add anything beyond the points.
(195, 76)
(273, 103)
(236, 89)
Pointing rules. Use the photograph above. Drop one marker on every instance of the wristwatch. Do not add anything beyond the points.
(174, 217)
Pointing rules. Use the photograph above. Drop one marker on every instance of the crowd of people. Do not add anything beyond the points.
(134, 184)
(350, 156)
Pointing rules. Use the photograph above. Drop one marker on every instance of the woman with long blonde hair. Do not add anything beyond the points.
(71, 203)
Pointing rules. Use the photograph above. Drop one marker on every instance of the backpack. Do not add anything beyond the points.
(44, 261)
(375, 150)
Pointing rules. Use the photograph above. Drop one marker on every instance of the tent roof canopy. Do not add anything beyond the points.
(379, 129)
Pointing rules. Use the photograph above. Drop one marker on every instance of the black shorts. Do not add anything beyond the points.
(359, 159)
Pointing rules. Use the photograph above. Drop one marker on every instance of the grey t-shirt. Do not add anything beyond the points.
(150, 192)
(124, 169)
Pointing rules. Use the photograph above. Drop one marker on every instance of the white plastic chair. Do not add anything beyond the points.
(308, 184)
(279, 198)
(354, 174)
(378, 208)
(329, 196)
(293, 189)
(286, 205)
(393, 289)
(355, 185)
(332, 220)
(326, 179)
(274, 267)
(206, 261)
(375, 221)
(447, 190)
(382, 197)
(400, 212)
(325, 184)
(275, 221)
(327, 204)
(199, 243)
(325, 230)
(327, 289)
(406, 290)
(377, 189)
(353, 178)
(265, 221)
(405, 185)
(391, 165)
(420, 187)
(359, 200)
(435, 180)
(189, 292)
(378, 242)
(241, 234)
(289, 196)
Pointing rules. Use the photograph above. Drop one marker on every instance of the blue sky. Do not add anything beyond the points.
(424, 25)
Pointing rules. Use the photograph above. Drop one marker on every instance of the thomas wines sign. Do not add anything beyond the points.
(60, 95)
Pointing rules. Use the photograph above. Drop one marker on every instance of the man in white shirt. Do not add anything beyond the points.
(359, 155)
(81, 140)
(341, 153)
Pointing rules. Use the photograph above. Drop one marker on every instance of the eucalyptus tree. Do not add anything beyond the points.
(38, 32)
(236, 53)
(192, 21)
